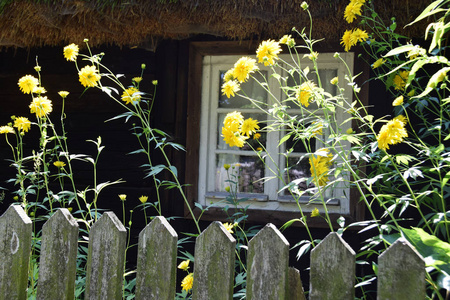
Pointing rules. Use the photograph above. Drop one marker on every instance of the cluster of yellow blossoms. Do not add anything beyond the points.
(89, 75)
(320, 166)
(188, 281)
(353, 36)
(393, 132)
(236, 130)
(267, 53)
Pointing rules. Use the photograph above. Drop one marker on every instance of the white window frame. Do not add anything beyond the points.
(212, 65)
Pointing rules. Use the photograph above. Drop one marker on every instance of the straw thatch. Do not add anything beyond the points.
(143, 23)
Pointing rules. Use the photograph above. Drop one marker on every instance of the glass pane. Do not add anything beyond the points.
(250, 88)
(298, 169)
(260, 142)
(245, 171)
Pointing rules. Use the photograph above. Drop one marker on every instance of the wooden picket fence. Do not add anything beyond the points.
(401, 270)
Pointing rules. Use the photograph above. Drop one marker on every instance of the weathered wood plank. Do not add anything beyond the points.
(267, 266)
(295, 288)
(214, 264)
(332, 269)
(15, 247)
(401, 273)
(104, 272)
(157, 258)
(58, 260)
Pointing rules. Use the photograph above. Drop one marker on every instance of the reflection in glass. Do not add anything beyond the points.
(245, 171)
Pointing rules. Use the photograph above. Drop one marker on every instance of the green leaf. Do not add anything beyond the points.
(429, 10)
(435, 251)
(403, 159)
(284, 139)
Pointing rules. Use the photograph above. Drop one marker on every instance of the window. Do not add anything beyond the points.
(261, 194)
(207, 60)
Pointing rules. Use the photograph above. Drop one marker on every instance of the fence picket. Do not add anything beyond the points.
(157, 258)
(295, 285)
(401, 273)
(214, 264)
(57, 269)
(15, 247)
(267, 266)
(332, 269)
(104, 273)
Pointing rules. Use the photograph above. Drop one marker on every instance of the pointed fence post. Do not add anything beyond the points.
(295, 285)
(157, 261)
(267, 266)
(214, 263)
(104, 272)
(332, 274)
(58, 259)
(15, 247)
(401, 273)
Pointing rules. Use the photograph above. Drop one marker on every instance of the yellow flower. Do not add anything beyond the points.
(400, 80)
(304, 93)
(352, 10)
(334, 80)
(59, 164)
(349, 131)
(230, 87)
(143, 199)
(226, 166)
(249, 126)
(41, 106)
(378, 63)
(315, 212)
(402, 119)
(63, 94)
(320, 166)
(267, 52)
(137, 79)
(346, 40)
(184, 265)
(233, 138)
(398, 101)
(130, 95)
(22, 124)
(155, 82)
(312, 56)
(229, 227)
(233, 121)
(228, 75)
(89, 76)
(243, 68)
(187, 282)
(39, 90)
(391, 133)
(71, 52)
(259, 149)
(122, 197)
(27, 84)
(256, 136)
(287, 40)
(358, 35)
(6, 129)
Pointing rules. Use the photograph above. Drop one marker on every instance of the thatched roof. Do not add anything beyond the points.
(143, 22)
